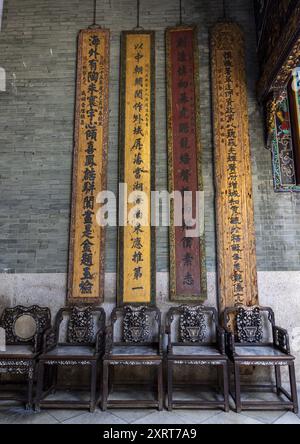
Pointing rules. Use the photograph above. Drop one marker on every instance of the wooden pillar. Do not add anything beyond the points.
(237, 276)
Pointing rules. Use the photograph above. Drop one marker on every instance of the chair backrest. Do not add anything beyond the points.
(192, 324)
(250, 325)
(79, 324)
(25, 325)
(136, 324)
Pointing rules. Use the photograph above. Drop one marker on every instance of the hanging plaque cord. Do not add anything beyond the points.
(94, 24)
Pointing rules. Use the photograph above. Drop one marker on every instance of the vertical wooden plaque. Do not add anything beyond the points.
(136, 250)
(234, 205)
(86, 251)
(187, 254)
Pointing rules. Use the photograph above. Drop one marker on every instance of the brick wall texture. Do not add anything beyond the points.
(38, 53)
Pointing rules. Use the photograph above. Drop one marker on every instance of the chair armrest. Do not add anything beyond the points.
(168, 333)
(108, 339)
(36, 343)
(161, 341)
(281, 339)
(38, 340)
(49, 340)
(229, 342)
(100, 341)
(221, 339)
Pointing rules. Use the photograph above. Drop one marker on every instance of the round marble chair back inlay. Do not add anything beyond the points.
(25, 327)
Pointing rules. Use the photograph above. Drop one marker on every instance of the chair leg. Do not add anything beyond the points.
(93, 386)
(54, 372)
(278, 378)
(226, 387)
(170, 385)
(48, 377)
(160, 391)
(293, 387)
(30, 389)
(237, 382)
(219, 379)
(39, 386)
(105, 385)
(111, 379)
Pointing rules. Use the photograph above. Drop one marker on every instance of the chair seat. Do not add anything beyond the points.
(196, 350)
(18, 351)
(67, 351)
(134, 350)
(256, 352)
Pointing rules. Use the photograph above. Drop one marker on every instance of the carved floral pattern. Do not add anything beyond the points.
(197, 362)
(18, 367)
(249, 325)
(80, 326)
(136, 327)
(192, 324)
(113, 362)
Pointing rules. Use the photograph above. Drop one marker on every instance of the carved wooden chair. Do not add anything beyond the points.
(195, 338)
(77, 340)
(253, 339)
(134, 338)
(24, 327)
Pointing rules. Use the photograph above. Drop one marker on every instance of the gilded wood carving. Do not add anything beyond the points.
(278, 45)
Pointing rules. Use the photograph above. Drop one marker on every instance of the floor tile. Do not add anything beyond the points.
(262, 396)
(288, 418)
(196, 416)
(161, 418)
(231, 418)
(62, 414)
(68, 395)
(125, 393)
(265, 416)
(195, 394)
(98, 417)
(132, 414)
(17, 415)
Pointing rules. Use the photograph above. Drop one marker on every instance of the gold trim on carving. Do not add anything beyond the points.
(283, 59)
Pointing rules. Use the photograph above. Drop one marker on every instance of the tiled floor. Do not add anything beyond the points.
(17, 415)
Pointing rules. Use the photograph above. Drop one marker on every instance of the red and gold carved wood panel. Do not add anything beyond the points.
(187, 252)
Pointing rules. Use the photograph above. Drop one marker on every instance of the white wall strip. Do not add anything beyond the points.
(1, 11)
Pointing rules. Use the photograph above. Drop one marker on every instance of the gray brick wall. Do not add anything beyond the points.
(38, 52)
